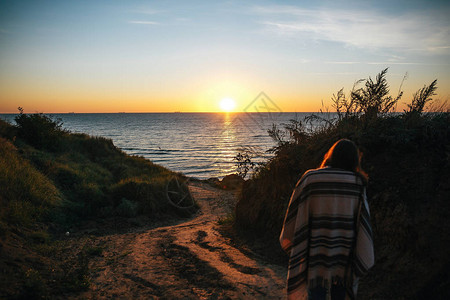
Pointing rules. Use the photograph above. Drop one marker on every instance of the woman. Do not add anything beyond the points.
(327, 231)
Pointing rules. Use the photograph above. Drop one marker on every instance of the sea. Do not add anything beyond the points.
(199, 145)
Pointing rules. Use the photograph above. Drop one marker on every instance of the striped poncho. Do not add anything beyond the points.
(327, 210)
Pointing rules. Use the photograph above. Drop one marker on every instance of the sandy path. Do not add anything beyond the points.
(191, 260)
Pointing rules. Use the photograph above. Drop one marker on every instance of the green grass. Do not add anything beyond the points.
(26, 194)
(51, 178)
(74, 178)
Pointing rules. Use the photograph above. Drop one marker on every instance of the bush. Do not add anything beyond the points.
(407, 161)
(40, 131)
(373, 98)
(422, 97)
(7, 130)
(127, 208)
(149, 196)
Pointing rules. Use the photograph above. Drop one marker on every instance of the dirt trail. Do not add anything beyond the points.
(190, 260)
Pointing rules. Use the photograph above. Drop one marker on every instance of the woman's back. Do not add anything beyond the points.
(327, 231)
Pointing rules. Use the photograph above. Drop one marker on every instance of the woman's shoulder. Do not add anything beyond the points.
(327, 171)
(311, 173)
(330, 174)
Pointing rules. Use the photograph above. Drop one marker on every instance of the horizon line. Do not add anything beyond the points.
(161, 112)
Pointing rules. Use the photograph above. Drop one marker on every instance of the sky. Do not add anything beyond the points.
(166, 56)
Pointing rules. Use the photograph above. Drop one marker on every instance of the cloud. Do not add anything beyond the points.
(146, 11)
(412, 31)
(342, 62)
(144, 22)
(390, 62)
(402, 63)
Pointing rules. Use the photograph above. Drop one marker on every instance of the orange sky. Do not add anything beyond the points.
(186, 56)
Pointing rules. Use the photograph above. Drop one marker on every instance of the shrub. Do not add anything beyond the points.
(244, 162)
(7, 130)
(40, 131)
(422, 97)
(66, 176)
(149, 195)
(127, 208)
(373, 99)
(92, 197)
(407, 161)
(98, 148)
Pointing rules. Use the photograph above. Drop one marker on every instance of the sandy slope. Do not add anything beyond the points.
(188, 260)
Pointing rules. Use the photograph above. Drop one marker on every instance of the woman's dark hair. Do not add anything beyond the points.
(344, 155)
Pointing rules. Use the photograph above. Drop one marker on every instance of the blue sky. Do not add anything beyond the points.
(92, 56)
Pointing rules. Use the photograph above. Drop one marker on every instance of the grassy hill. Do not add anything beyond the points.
(52, 182)
(407, 158)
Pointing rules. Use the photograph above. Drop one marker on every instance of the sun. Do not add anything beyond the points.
(227, 104)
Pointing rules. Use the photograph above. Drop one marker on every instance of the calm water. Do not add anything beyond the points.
(200, 145)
